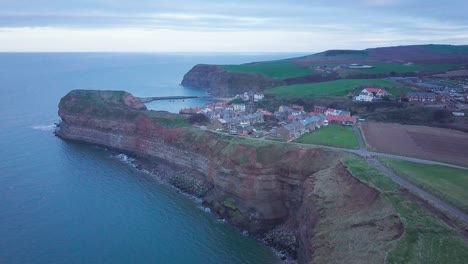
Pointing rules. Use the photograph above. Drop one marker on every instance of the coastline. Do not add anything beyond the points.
(163, 172)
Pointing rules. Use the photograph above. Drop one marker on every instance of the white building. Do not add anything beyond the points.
(258, 97)
(239, 107)
(370, 94)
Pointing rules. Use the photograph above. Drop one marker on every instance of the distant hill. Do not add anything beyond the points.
(415, 60)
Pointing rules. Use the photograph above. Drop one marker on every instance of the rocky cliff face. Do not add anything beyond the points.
(219, 82)
(302, 199)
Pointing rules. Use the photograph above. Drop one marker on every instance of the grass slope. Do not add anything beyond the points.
(426, 239)
(274, 69)
(333, 88)
(448, 183)
(333, 135)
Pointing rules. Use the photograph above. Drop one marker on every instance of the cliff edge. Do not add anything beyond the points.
(301, 201)
(219, 82)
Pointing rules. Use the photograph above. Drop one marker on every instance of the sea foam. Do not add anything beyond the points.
(44, 127)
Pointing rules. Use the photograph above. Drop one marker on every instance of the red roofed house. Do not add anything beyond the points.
(370, 94)
(341, 119)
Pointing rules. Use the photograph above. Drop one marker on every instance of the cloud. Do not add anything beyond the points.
(240, 25)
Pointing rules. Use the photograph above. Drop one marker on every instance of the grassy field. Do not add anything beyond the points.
(275, 69)
(447, 183)
(426, 239)
(384, 68)
(333, 88)
(333, 135)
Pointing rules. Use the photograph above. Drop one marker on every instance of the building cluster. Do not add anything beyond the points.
(435, 90)
(295, 122)
(235, 118)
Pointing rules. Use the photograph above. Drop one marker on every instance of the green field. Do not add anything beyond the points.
(333, 88)
(447, 183)
(426, 239)
(333, 135)
(274, 69)
(384, 68)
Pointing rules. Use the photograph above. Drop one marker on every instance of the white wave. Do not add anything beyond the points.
(126, 159)
(45, 127)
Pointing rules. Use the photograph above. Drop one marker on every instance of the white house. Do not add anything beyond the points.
(370, 94)
(258, 97)
(239, 107)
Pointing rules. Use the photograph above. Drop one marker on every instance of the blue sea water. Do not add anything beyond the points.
(64, 202)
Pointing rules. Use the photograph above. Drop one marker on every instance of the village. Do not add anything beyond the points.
(241, 116)
(287, 123)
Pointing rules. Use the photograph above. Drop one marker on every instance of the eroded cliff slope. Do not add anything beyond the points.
(303, 199)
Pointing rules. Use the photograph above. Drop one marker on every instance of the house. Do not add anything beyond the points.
(371, 94)
(341, 119)
(421, 97)
(285, 108)
(442, 96)
(298, 108)
(312, 123)
(286, 132)
(217, 124)
(239, 107)
(300, 128)
(255, 118)
(335, 112)
(258, 97)
(319, 109)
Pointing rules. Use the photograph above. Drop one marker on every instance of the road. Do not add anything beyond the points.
(404, 183)
(370, 156)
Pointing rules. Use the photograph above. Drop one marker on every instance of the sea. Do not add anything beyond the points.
(68, 202)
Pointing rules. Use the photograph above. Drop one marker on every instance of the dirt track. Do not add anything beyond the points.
(424, 142)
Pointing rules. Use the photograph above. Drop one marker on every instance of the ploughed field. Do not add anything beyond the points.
(424, 142)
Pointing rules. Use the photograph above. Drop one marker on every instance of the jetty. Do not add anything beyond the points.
(160, 98)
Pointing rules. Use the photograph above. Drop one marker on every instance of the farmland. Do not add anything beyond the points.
(385, 68)
(424, 142)
(333, 135)
(333, 88)
(274, 69)
(426, 239)
(448, 183)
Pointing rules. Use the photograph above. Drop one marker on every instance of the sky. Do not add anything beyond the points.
(227, 26)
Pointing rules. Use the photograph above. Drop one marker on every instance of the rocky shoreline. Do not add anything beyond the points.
(281, 239)
(301, 201)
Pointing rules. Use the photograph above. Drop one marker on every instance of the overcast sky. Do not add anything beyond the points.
(228, 26)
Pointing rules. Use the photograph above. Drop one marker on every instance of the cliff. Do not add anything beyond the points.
(302, 201)
(220, 82)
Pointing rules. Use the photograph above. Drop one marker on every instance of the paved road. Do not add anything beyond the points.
(418, 191)
(404, 183)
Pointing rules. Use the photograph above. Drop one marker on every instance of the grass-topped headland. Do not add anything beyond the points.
(115, 105)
